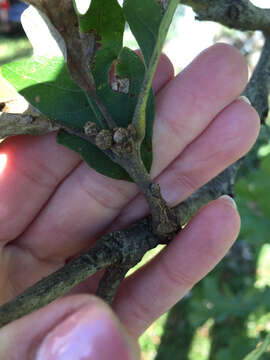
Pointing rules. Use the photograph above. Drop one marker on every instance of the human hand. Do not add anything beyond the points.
(53, 206)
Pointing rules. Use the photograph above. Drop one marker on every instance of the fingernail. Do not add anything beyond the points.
(244, 98)
(229, 199)
(87, 334)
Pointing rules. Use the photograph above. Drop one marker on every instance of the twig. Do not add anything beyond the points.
(222, 184)
(110, 282)
(258, 87)
(17, 124)
(237, 14)
(165, 222)
(125, 248)
(120, 247)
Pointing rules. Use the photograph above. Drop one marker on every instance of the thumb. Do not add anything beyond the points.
(76, 327)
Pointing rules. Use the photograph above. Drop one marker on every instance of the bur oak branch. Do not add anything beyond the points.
(258, 87)
(18, 124)
(237, 14)
(117, 251)
(120, 248)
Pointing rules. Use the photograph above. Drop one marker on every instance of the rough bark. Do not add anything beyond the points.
(237, 14)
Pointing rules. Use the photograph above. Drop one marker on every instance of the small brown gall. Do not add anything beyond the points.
(104, 139)
(120, 135)
(91, 128)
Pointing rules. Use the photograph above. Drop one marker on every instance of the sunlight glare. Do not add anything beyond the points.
(3, 162)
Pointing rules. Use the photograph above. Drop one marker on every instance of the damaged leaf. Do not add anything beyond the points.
(47, 86)
(118, 75)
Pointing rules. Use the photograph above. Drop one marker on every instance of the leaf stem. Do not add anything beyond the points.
(111, 281)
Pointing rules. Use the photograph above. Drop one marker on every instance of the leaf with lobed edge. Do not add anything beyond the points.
(107, 22)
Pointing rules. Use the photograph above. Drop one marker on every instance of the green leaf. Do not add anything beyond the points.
(149, 22)
(144, 19)
(93, 156)
(256, 354)
(130, 67)
(121, 107)
(254, 187)
(106, 20)
(46, 85)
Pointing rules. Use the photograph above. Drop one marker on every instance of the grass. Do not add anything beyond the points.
(14, 48)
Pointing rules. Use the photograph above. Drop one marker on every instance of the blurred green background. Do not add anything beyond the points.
(228, 313)
(14, 47)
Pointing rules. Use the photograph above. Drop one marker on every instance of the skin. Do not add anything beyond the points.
(53, 207)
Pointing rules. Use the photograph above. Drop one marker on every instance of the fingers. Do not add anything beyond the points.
(164, 73)
(156, 287)
(221, 144)
(35, 167)
(189, 103)
(73, 328)
(228, 138)
(94, 201)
